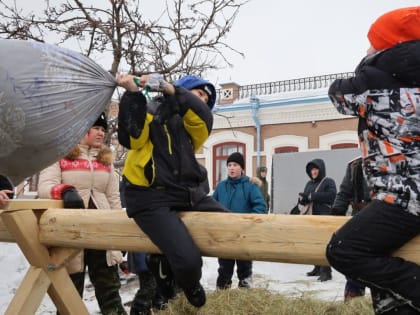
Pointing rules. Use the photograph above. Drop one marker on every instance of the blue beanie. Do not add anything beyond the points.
(193, 82)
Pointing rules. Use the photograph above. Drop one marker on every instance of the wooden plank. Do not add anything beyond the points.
(273, 237)
(16, 204)
(5, 235)
(58, 230)
(23, 225)
(30, 293)
(64, 294)
(34, 204)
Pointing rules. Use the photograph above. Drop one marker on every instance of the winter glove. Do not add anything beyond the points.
(72, 199)
(295, 210)
(155, 82)
(113, 257)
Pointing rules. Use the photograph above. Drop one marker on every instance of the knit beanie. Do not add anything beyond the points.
(394, 27)
(237, 158)
(193, 82)
(101, 121)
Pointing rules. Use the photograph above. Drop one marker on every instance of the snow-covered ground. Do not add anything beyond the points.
(288, 279)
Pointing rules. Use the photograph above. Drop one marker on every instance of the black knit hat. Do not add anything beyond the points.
(101, 121)
(237, 158)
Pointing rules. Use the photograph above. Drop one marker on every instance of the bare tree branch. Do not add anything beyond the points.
(187, 37)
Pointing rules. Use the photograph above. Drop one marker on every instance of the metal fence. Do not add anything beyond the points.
(309, 83)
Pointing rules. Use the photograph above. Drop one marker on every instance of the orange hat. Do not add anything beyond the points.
(397, 26)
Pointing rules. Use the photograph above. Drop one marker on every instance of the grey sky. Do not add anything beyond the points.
(300, 38)
(288, 39)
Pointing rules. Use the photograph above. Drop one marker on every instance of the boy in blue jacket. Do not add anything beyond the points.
(239, 195)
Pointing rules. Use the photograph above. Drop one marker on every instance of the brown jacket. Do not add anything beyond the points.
(91, 172)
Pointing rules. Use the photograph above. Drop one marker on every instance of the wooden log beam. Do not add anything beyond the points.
(28, 297)
(19, 204)
(41, 278)
(272, 237)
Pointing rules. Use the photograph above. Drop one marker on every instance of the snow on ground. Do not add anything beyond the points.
(288, 279)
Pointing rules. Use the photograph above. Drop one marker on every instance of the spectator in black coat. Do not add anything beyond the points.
(319, 193)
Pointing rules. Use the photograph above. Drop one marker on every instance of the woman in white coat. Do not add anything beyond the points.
(85, 178)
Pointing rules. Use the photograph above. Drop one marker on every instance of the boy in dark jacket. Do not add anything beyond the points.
(385, 95)
(162, 175)
(238, 194)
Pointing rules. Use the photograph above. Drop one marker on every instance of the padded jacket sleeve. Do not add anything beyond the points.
(132, 116)
(197, 116)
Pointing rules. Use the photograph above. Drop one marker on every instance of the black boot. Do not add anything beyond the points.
(160, 268)
(223, 283)
(385, 303)
(401, 310)
(159, 302)
(196, 295)
(314, 272)
(142, 302)
(325, 273)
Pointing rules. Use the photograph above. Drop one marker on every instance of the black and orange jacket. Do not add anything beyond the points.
(385, 95)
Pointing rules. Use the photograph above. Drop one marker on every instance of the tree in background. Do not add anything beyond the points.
(186, 37)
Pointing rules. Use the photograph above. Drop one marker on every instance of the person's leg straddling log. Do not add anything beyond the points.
(362, 249)
(167, 231)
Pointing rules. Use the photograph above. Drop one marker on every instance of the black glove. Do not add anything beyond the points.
(295, 210)
(72, 199)
(304, 199)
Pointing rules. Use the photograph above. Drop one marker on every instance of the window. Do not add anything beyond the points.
(221, 153)
(286, 149)
(343, 146)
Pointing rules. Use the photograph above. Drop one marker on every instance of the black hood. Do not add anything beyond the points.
(319, 164)
(402, 61)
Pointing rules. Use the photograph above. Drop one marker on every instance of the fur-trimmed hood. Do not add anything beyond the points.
(104, 155)
(255, 180)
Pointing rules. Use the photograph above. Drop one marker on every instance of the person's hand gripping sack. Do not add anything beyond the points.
(72, 199)
(155, 82)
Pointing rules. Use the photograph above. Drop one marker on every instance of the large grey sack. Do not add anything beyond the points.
(49, 98)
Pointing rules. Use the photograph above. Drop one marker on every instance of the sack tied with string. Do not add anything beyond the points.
(49, 98)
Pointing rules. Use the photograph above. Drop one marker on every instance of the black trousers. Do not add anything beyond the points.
(362, 249)
(167, 231)
(226, 268)
(105, 280)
